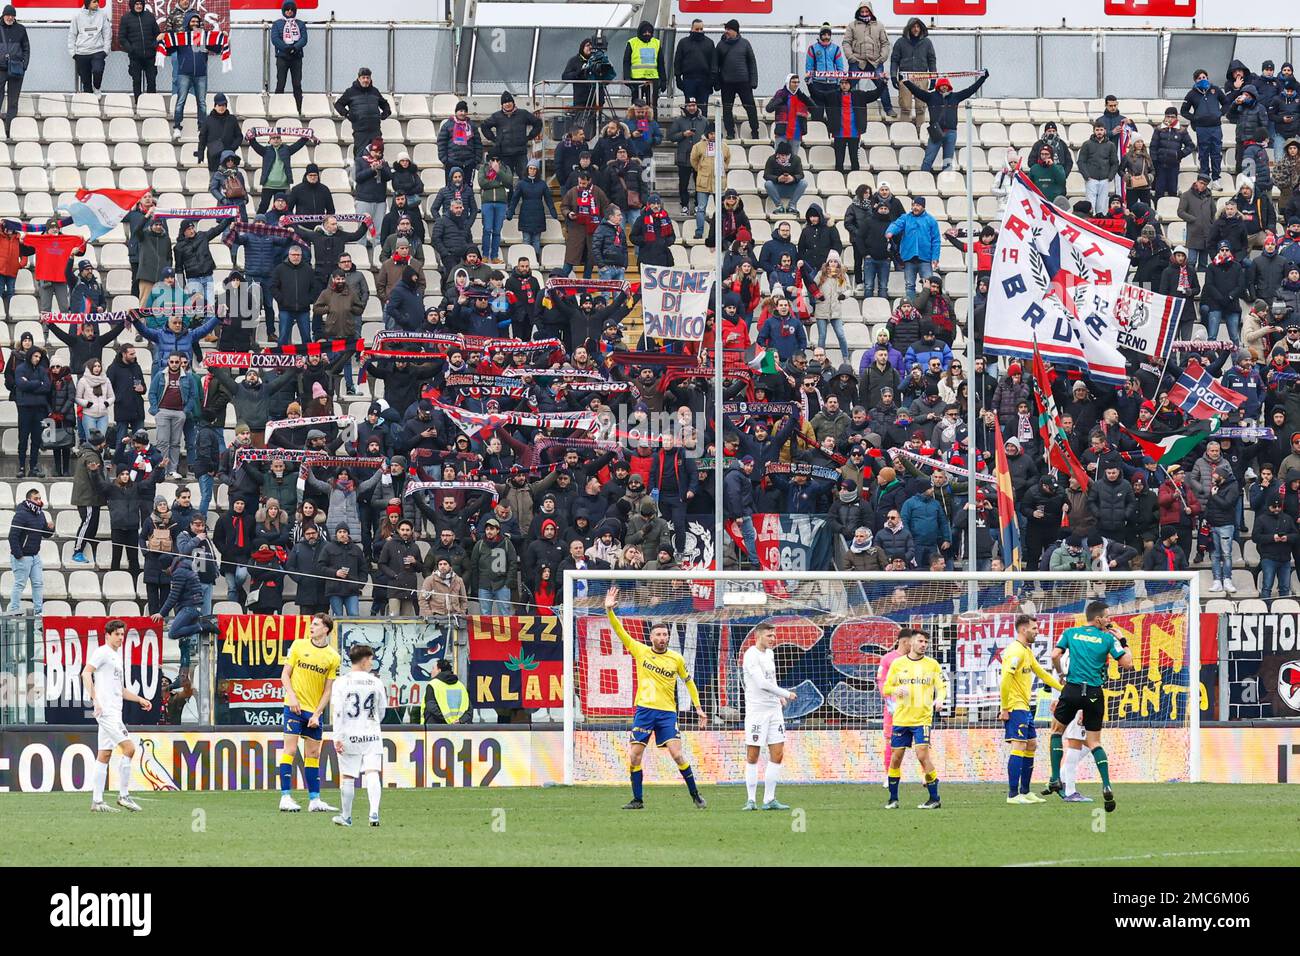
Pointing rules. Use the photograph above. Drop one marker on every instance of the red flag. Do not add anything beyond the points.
(1059, 453)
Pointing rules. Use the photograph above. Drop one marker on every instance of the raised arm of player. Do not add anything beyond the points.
(633, 646)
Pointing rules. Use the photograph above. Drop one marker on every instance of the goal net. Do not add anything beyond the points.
(833, 628)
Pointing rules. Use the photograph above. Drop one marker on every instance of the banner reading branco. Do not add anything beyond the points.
(68, 643)
(675, 302)
(407, 652)
(251, 652)
(41, 761)
(516, 662)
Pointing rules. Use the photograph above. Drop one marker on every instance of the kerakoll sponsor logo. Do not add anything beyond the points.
(75, 909)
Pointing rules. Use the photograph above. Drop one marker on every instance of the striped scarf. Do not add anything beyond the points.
(262, 229)
(88, 318)
(303, 220)
(203, 212)
(323, 347)
(251, 360)
(487, 487)
(297, 132)
(209, 41)
(340, 420)
(481, 426)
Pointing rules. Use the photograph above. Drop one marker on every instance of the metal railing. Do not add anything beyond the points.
(430, 57)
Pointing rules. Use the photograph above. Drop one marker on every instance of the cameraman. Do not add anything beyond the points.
(589, 69)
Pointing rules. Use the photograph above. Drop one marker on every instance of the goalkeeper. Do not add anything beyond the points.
(1090, 647)
(1018, 669)
(657, 670)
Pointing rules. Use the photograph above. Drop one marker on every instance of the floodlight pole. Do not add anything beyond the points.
(972, 513)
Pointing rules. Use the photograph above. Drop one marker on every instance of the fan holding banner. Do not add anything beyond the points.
(1056, 278)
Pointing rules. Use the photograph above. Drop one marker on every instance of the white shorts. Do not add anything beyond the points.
(111, 731)
(1074, 729)
(354, 765)
(764, 728)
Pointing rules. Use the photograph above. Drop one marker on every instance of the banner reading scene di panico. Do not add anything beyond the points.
(675, 302)
(66, 646)
(252, 649)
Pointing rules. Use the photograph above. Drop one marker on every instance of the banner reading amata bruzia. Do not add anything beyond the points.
(1056, 278)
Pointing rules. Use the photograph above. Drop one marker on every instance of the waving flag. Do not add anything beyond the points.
(99, 210)
(1168, 449)
(1059, 453)
(1056, 279)
(1008, 526)
(1200, 396)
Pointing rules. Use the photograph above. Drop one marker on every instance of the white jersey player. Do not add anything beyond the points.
(1074, 737)
(764, 722)
(359, 704)
(105, 687)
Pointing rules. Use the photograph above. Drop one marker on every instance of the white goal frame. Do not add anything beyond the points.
(1190, 579)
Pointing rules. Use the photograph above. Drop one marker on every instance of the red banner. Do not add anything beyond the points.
(68, 643)
(941, 8)
(1151, 8)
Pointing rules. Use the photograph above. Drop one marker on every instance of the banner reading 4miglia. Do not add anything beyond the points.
(1056, 279)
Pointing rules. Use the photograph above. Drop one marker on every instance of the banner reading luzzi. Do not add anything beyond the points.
(1056, 278)
(675, 302)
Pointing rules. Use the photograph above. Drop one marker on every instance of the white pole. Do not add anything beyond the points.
(718, 462)
(1194, 676)
(972, 520)
(570, 678)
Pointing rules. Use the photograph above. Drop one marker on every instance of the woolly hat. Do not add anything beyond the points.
(1014, 368)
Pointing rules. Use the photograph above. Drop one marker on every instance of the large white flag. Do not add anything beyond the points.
(1056, 278)
(675, 302)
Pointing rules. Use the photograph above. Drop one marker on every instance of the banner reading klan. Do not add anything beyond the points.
(516, 662)
(1056, 278)
(675, 302)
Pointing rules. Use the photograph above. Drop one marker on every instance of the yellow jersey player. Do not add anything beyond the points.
(1018, 669)
(657, 670)
(308, 680)
(917, 684)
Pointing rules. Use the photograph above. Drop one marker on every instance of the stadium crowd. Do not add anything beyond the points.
(472, 479)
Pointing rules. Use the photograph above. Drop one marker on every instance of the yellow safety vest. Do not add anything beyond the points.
(453, 699)
(645, 58)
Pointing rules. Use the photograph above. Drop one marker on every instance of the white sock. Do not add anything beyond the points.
(770, 776)
(1070, 769)
(374, 789)
(124, 776)
(348, 790)
(751, 780)
(100, 781)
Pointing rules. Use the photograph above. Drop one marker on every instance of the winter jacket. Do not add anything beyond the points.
(1204, 109)
(163, 342)
(90, 32)
(865, 42)
(734, 63)
(1267, 526)
(371, 181)
(896, 543)
(333, 558)
(261, 253)
(1169, 145)
(1112, 504)
(193, 257)
(532, 200)
(464, 150)
(1097, 159)
(189, 386)
(137, 34)
(311, 199)
(450, 238)
(339, 312)
(609, 245)
(1050, 180)
(1251, 117)
(219, 134)
(291, 47)
(511, 133)
(282, 153)
(1225, 286)
(693, 58)
(913, 54)
(918, 236)
(943, 106)
(492, 565)
(252, 405)
(1197, 210)
(326, 248)
(498, 188)
(364, 107)
(696, 125)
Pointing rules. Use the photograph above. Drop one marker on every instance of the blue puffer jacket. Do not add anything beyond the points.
(164, 341)
(927, 520)
(532, 199)
(288, 49)
(262, 253)
(919, 237)
(185, 590)
(189, 61)
(27, 530)
(190, 391)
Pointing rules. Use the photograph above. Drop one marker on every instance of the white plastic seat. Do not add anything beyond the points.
(128, 154)
(84, 584)
(57, 129)
(161, 154)
(28, 154)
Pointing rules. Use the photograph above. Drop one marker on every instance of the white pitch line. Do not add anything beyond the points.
(1142, 856)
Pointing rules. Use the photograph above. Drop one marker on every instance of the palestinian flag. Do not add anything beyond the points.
(1168, 449)
(765, 362)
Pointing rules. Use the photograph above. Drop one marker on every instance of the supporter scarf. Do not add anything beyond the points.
(88, 318)
(487, 487)
(483, 343)
(656, 225)
(1186, 345)
(34, 228)
(303, 220)
(852, 75)
(203, 212)
(340, 420)
(330, 461)
(764, 409)
(559, 374)
(264, 230)
(611, 388)
(481, 426)
(821, 472)
(288, 455)
(296, 132)
(487, 386)
(924, 462)
(324, 347)
(251, 360)
(564, 284)
(586, 444)
(1244, 431)
(211, 40)
(445, 457)
(461, 132)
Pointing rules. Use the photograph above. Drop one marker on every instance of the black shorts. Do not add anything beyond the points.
(1080, 697)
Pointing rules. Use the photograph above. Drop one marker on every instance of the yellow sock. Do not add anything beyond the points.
(932, 776)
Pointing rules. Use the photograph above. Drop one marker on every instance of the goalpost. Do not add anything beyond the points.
(833, 628)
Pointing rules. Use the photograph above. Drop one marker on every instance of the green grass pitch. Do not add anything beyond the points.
(1154, 825)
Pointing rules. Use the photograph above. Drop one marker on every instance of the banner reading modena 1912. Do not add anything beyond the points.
(1056, 278)
(675, 302)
